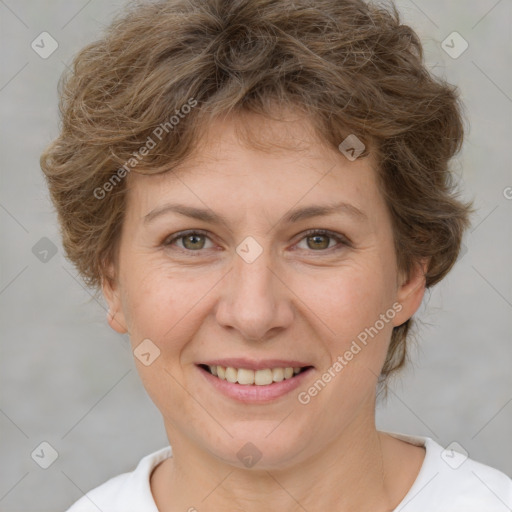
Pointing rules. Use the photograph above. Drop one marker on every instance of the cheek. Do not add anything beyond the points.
(154, 303)
(346, 299)
(163, 303)
(348, 303)
(160, 307)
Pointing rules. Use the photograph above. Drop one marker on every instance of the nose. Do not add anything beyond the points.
(255, 299)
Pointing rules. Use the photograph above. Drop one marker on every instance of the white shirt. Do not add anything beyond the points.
(447, 482)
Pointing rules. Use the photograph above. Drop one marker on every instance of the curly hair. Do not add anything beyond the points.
(351, 67)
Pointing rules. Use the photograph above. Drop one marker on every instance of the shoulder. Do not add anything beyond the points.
(450, 481)
(126, 492)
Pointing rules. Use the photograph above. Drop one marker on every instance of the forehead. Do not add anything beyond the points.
(248, 158)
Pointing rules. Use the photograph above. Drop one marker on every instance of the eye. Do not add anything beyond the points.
(192, 241)
(318, 240)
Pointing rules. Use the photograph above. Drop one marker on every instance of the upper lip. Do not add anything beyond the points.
(240, 362)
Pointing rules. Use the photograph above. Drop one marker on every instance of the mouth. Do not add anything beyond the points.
(250, 377)
(254, 381)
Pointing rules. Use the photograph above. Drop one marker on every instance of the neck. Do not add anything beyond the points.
(347, 474)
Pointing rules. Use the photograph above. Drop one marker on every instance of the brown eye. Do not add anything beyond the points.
(318, 241)
(191, 241)
(194, 241)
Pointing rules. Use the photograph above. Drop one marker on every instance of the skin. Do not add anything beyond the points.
(296, 300)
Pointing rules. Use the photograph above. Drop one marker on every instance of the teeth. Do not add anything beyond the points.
(253, 377)
(262, 377)
(245, 376)
(278, 374)
(231, 374)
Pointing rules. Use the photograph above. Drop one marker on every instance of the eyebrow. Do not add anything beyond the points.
(291, 217)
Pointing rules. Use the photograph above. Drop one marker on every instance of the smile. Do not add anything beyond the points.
(249, 377)
(257, 386)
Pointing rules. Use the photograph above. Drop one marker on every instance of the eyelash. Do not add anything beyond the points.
(342, 241)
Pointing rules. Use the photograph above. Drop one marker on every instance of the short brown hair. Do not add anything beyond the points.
(351, 67)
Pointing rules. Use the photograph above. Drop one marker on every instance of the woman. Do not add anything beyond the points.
(261, 191)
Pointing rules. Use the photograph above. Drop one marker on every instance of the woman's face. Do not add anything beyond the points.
(256, 287)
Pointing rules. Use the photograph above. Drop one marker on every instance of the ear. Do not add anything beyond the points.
(111, 292)
(411, 291)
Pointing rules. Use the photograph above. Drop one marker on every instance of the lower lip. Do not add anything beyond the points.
(252, 393)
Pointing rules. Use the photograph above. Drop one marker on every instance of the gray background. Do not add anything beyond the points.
(69, 380)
